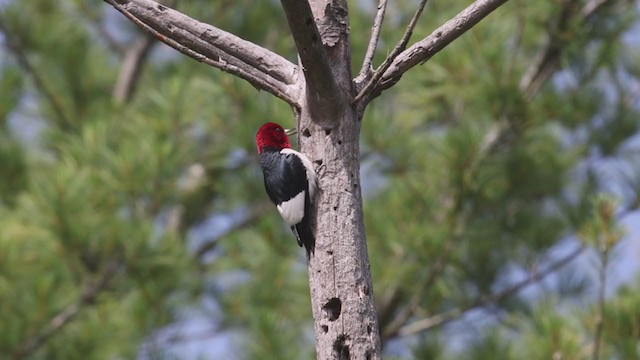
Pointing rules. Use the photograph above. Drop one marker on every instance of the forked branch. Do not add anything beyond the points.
(424, 49)
(402, 44)
(262, 68)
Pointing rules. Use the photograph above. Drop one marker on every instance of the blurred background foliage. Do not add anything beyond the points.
(501, 183)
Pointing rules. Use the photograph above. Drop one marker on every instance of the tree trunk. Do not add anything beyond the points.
(346, 326)
(345, 321)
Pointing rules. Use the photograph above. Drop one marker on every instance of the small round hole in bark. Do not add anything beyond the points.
(318, 162)
(332, 309)
(306, 133)
(325, 329)
(329, 252)
(327, 132)
(335, 208)
(339, 142)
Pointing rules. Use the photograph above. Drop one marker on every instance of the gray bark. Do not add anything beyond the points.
(346, 325)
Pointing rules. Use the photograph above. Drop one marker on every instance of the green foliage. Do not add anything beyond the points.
(469, 181)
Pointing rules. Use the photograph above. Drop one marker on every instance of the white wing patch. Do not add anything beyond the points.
(292, 210)
(311, 174)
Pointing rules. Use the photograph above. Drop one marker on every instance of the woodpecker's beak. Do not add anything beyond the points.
(290, 132)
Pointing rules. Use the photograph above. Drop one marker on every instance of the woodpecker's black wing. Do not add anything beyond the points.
(290, 183)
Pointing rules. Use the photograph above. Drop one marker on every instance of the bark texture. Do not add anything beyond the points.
(346, 325)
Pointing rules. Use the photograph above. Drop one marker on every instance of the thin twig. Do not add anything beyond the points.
(373, 41)
(535, 277)
(424, 49)
(401, 46)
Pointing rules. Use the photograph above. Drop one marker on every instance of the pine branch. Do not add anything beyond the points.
(400, 46)
(88, 296)
(262, 68)
(547, 60)
(493, 299)
(15, 47)
(257, 210)
(391, 330)
(424, 49)
(96, 22)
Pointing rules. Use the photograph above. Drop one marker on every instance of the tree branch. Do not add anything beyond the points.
(402, 44)
(262, 68)
(436, 41)
(322, 91)
(131, 67)
(534, 277)
(373, 41)
(88, 296)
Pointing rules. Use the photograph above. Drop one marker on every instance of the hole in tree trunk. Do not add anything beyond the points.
(341, 348)
(332, 309)
(325, 328)
(306, 132)
(318, 162)
(327, 132)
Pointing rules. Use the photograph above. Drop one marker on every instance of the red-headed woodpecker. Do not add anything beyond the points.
(289, 179)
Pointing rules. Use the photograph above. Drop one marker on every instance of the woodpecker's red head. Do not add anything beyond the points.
(272, 135)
